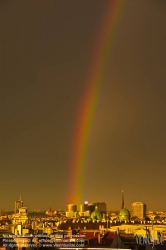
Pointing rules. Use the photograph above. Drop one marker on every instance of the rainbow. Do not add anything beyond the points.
(88, 106)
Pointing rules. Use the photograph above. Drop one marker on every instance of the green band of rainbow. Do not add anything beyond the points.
(88, 107)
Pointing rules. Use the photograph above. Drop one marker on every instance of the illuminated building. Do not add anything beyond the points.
(49, 212)
(18, 204)
(21, 217)
(96, 214)
(138, 209)
(71, 210)
(84, 207)
(83, 211)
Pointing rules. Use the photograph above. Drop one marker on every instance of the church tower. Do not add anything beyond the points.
(124, 214)
(123, 206)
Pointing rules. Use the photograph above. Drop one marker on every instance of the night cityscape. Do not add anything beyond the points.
(83, 139)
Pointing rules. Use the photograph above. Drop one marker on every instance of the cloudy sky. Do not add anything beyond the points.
(46, 48)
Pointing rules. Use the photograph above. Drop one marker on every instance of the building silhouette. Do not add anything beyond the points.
(102, 207)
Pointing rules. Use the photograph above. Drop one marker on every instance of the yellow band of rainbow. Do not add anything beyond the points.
(88, 107)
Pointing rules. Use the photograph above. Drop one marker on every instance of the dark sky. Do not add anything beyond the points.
(45, 53)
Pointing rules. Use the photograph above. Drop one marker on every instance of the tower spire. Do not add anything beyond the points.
(123, 200)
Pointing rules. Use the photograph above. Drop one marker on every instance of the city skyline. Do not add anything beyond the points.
(47, 51)
(123, 205)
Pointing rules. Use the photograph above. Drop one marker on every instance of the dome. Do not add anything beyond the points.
(124, 211)
(96, 215)
(124, 214)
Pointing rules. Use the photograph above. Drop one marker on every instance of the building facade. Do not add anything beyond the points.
(102, 207)
(71, 208)
(18, 204)
(138, 209)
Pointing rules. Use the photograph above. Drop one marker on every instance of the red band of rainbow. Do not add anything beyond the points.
(88, 106)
